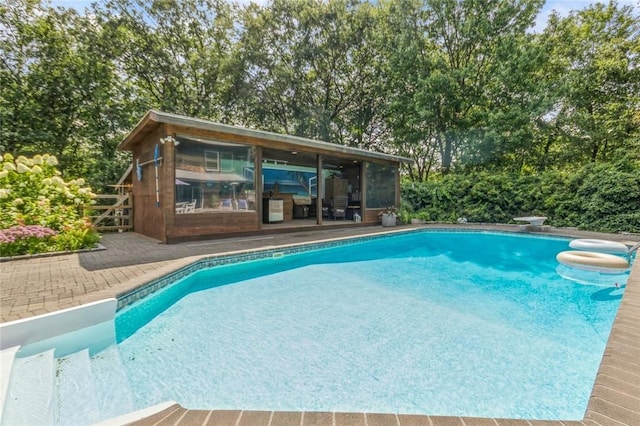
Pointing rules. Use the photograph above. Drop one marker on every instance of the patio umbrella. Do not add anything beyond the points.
(181, 182)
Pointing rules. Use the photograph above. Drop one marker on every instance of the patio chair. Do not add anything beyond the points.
(227, 204)
(180, 207)
(339, 206)
(190, 207)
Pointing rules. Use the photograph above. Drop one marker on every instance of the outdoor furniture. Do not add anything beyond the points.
(190, 207)
(301, 206)
(533, 220)
(535, 223)
(339, 207)
(352, 209)
(227, 204)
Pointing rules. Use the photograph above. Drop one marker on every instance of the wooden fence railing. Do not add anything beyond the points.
(111, 212)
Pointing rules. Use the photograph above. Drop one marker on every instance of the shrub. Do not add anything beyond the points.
(77, 238)
(25, 239)
(33, 193)
(598, 197)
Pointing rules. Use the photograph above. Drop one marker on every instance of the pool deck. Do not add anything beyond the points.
(33, 286)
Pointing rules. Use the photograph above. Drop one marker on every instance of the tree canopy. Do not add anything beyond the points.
(457, 85)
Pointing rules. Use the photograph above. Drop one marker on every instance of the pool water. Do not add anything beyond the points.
(439, 323)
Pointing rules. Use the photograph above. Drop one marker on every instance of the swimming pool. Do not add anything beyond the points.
(469, 324)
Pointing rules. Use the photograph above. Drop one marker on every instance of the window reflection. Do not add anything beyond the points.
(213, 176)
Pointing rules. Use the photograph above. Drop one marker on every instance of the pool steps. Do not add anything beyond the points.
(114, 393)
(64, 368)
(76, 398)
(71, 390)
(138, 415)
(7, 357)
(31, 390)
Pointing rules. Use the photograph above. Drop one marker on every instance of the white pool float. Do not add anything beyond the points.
(593, 261)
(600, 246)
(593, 278)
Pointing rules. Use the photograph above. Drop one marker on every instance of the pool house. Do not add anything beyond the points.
(195, 179)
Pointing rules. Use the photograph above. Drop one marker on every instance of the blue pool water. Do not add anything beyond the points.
(440, 323)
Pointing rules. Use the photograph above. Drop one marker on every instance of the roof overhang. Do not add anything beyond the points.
(153, 118)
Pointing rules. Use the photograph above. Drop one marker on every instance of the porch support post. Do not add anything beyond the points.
(257, 177)
(397, 178)
(363, 190)
(319, 189)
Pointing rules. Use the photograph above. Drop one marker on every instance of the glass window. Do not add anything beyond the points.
(211, 161)
(381, 185)
(213, 176)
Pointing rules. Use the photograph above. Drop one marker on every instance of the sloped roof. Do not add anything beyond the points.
(152, 118)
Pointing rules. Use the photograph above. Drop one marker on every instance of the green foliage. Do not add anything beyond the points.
(33, 193)
(27, 239)
(312, 70)
(179, 55)
(597, 52)
(600, 197)
(77, 238)
(60, 92)
(460, 86)
(606, 199)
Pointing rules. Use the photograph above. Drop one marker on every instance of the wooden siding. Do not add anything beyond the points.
(150, 219)
(371, 216)
(211, 224)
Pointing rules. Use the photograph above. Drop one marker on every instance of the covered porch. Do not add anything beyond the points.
(197, 179)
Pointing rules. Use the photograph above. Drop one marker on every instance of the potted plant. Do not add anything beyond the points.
(389, 216)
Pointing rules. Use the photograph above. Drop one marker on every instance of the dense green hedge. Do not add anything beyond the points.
(598, 197)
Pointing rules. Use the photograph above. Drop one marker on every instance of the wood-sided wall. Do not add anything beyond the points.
(150, 219)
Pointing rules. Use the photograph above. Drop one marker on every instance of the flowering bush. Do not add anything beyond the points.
(33, 193)
(25, 239)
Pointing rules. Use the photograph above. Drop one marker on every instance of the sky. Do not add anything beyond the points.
(561, 6)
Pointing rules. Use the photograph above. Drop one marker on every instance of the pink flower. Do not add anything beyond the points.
(21, 232)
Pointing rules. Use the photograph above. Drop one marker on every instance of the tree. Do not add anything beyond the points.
(178, 55)
(597, 50)
(310, 69)
(458, 46)
(58, 90)
(520, 95)
(407, 60)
